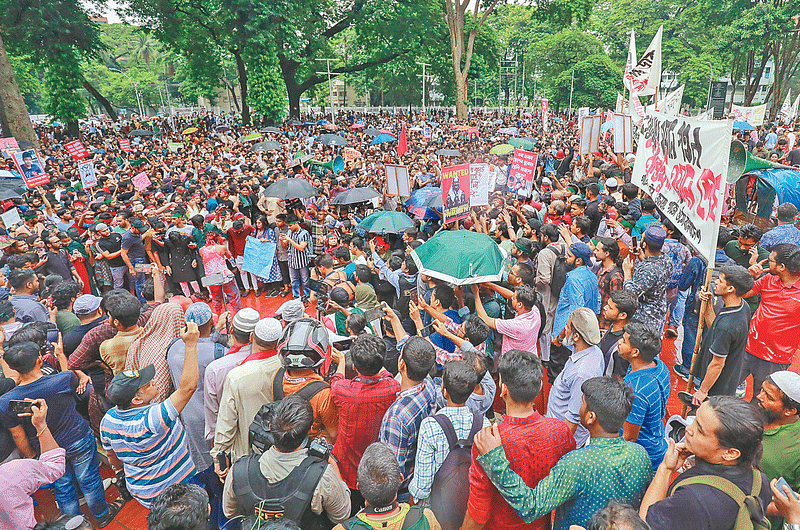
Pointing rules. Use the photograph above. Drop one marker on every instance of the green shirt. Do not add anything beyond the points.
(580, 484)
(781, 450)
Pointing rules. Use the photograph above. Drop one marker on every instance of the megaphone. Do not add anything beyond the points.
(336, 165)
(741, 161)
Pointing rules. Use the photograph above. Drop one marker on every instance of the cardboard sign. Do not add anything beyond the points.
(76, 149)
(30, 167)
(141, 181)
(173, 146)
(623, 133)
(11, 218)
(397, 181)
(590, 134)
(681, 163)
(427, 133)
(351, 154)
(125, 144)
(455, 192)
(479, 184)
(8, 146)
(521, 172)
(87, 173)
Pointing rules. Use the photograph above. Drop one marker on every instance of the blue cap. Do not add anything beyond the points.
(655, 234)
(582, 251)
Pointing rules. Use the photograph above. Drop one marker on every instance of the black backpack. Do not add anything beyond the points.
(559, 276)
(450, 489)
(289, 498)
(261, 438)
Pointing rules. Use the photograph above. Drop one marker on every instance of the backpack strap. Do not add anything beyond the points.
(477, 425)
(312, 389)
(449, 432)
(277, 385)
(315, 468)
(410, 520)
(749, 508)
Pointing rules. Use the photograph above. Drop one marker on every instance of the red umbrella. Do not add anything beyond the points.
(385, 131)
(357, 126)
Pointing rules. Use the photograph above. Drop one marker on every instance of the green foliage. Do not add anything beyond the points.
(696, 74)
(597, 80)
(266, 92)
(559, 52)
(62, 80)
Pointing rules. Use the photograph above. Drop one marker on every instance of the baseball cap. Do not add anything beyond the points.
(268, 330)
(788, 382)
(199, 313)
(291, 310)
(585, 324)
(125, 384)
(582, 251)
(85, 304)
(246, 320)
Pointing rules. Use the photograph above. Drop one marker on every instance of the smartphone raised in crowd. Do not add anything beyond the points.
(17, 406)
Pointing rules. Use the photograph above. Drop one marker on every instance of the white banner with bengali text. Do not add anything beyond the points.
(752, 115)
(681, 163)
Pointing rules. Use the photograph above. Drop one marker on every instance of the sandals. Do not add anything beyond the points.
(113, 510)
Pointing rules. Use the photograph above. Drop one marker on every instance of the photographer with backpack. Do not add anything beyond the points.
(292, 479)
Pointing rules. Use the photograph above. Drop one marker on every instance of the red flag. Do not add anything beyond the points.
(402, 144)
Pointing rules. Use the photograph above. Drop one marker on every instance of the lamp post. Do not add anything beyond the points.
(330, 87)
(710, 80)
(135, 87)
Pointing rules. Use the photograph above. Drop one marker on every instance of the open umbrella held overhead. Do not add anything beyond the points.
(355, 195)
(386, 222)
(290, 188)
(460, 257)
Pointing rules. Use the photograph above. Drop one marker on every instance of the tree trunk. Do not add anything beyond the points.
(243, 87)
(100, 99)
(461, 96)
(13, 112)
(73, 131)
(293, 89)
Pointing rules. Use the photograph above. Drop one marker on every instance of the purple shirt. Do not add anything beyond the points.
(521, 332)
(19, 479)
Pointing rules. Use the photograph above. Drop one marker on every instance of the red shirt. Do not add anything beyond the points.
(533, 445)
(238, 238)
(775, 327)
(362, 402)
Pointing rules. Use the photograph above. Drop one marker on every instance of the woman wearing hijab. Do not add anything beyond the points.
(150, 347)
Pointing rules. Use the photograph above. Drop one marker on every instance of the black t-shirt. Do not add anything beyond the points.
(57, 263)
(726, 338)
(134, 245)
(593, 213)
(607, 346)
(793, 157)
(701, 507)
(112, 244)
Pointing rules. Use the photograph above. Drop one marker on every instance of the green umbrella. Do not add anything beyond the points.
(502, 149)
(386, 222)
(460, 257)
(522, 143)
(251, 137)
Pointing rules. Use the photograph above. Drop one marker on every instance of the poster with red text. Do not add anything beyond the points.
(455, 192)
(76, 149)
(125, 144)
(521, 172)
(681, 164)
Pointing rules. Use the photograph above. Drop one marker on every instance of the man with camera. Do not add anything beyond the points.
(293, 479)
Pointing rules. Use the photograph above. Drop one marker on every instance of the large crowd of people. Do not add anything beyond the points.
(373, 395)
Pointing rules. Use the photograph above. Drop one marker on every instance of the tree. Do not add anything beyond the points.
(559, 52)
(597, 80)
(267, 93)
(464, 26)
(62, 80)
(13, 114)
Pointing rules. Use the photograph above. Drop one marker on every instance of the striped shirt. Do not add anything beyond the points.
(299, 259)
(151, 443)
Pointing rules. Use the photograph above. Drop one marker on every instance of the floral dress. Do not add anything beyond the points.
(274, 271)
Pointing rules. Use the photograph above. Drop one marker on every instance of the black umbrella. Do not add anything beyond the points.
(290, 188)
(223, 128)
(9, 193)
(448, 152)
(371, 131)
(294, 122)
(262, 147)
(355, 195)
(141, 132)
(330, 139)
(25, 144)
(271, 130)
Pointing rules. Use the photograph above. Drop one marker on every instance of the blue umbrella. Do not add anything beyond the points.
(382, 221)
(425, 201)
(743, 126)
(381, 138)
(323, 122)
(606, 126)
